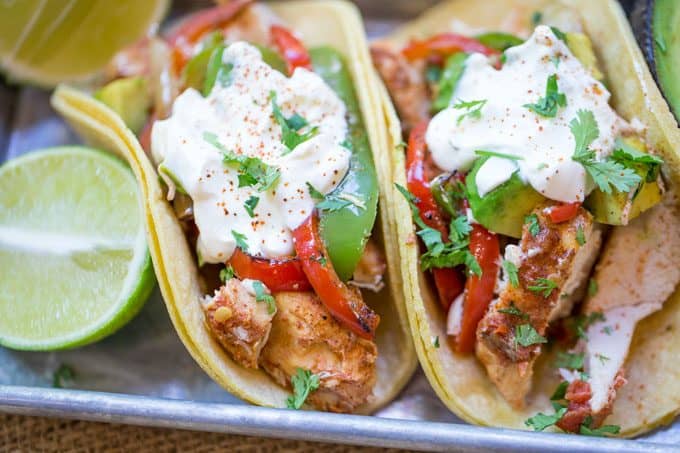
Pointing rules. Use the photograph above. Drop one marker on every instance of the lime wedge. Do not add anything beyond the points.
(73, 257)
(48, 42)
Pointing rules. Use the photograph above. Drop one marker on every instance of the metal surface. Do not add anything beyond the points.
(143, 375)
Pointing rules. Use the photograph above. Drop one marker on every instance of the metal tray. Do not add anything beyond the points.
(143, 375)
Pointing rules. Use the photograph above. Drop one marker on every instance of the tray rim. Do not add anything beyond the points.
(282, 423)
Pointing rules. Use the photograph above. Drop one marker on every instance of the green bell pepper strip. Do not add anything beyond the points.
(499, 41)
(193, 74)
(346, 231)
(453, 70)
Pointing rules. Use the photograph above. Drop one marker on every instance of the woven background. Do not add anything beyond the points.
(39, 434)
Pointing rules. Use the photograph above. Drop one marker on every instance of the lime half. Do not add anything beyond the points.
(74, 265)
(47, 42)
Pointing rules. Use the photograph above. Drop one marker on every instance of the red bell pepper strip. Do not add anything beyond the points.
(183, 38)
(478, 290)
(291, 49)
(449, 281)
(345, 305)
(445, 44)
(277, 275)
(563, 212)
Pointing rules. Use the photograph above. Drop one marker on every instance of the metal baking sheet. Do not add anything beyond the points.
(143, 375)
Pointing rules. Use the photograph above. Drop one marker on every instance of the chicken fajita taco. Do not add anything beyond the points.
(540, 241)
(259, 147)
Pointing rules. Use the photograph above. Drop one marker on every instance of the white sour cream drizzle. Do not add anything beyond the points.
(506, 126)
(240, 115)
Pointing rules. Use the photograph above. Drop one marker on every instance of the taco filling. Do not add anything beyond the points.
(261, 145)
(541, 211)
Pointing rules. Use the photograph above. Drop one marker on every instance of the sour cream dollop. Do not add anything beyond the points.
(240, 114)
(505, 125)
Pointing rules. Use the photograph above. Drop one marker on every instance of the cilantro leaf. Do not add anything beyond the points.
(543, 286)
(291, 126)
(261, 295)
(240, 240)
(580, 236)
(602, 431)
(581, 323)
(511, 271)
(435, 343)
(473, 109)
(526, 335)
(630, 157)
(483, 153)
(569, 360)
(332, 204)
(251, 204)
(304, 382)
(313, 192)
(251, 170)
(604, 173)
(602, 358)
(560, 392)
(63, 376)
(532, 221)
(548, 105)
(514, 311)
(459, 229)
(541, 421)
(226, 274)
(536, 18)
(592, 287)
(559, 34)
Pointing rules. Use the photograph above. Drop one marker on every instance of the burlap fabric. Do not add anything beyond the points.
(38, 434)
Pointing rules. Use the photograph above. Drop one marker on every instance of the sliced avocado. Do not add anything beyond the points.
(582, 48)
(503, 209)
(129, 98)
(619, 208)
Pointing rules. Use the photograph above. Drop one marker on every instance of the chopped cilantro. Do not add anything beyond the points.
(333, 203)
(548, 105)
(240, 240)
(536, 18)
(532, 221)
(291, 126)
(560, 392)
(580, 236)
(543, 286)
(526, 335)
(435, 343)
(607, 330)
(460, 229)
(541, 421)
(592, 287)
(313, 192)
(251, 204)
(261, 295)
(251, 170)
(473, 109)
(630, 157)
(582, 323)
(604, 173)
(571, 361)
(226, 274)
(602, 358)
(304, 382)
(514, 311)
(320, 259)
(440, 254)
(63, 376)
(602, 431)
(511, 271)
(559, 34)
(481, 152)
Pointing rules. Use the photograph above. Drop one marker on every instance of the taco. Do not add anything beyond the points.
(260, 146)
(539, 238)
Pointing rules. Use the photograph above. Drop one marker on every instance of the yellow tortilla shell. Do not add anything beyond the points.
(652, 395)
(333, 23)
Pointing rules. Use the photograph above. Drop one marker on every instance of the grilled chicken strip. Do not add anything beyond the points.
(406, 84)
(240, 323)
(553, 269)
(370, 269)
(305, 335)
(638, 271)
